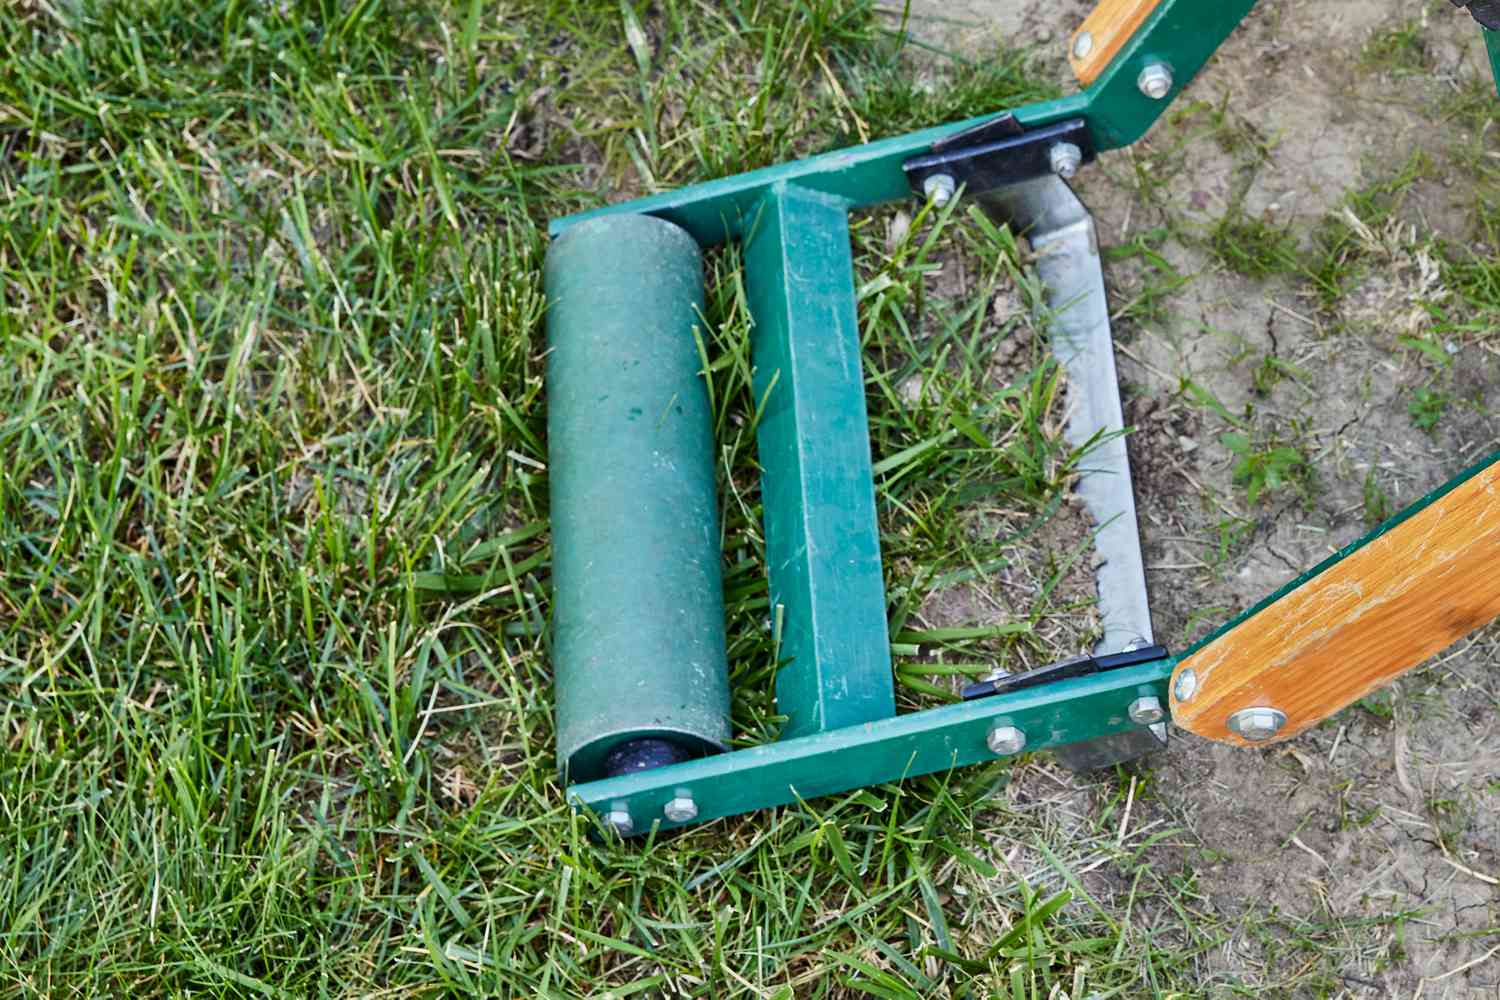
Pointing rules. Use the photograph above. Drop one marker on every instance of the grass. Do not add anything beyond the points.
(1263, 467)
(1252, 246)
(273, 521)
(1400, 50)
(275, 716)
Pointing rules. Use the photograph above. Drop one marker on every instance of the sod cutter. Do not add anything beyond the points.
(639, 648)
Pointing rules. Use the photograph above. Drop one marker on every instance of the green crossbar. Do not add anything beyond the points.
(817, 488)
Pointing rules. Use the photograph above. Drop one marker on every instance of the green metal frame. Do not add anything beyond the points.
(823, 548)
(1068, 712)
(822, 543)
(890, 749)
(1181, 33)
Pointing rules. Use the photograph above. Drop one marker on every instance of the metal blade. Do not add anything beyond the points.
(1062, 234)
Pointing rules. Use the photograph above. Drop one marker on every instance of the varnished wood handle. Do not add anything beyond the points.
(1103, 33)
(1355, 623)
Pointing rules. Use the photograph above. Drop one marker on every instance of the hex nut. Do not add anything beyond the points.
(939, 189)
(1065, 159)
(1006, 740)
(1186, 685)
(1155, 80)
(620, 820)
(1147, 710)
(1257, 724)
(681, 809)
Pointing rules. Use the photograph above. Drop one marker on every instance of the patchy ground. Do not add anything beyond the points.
(1276, 262)
(275, 684)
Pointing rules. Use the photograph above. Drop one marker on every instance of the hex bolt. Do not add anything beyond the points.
(619, 818)
(1257, 724)
(939, 189)
(681, 809)
(1083, 44)
(1006, 740)
(1146, 711)
(1155, 80)
(1186, 685)
(1066, 158)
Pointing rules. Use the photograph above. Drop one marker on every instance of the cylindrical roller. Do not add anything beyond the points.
(639, 666)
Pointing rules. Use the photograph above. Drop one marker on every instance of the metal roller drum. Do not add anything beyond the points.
(639, 666)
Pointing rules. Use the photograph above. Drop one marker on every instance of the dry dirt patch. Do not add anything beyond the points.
(1363, 858)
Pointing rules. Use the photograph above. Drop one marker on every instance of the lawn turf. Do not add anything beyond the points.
(274, 689)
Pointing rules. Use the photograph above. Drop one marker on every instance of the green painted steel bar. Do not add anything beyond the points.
(817, 487)
(1181, 33)
(1492, 42)
(716, 211)
(638, 646)
(903, 746)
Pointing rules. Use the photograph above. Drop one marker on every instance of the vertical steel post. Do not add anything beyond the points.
(1062, 235)
(817, 488)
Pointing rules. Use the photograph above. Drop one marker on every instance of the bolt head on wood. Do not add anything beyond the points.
(1083, 44)
(1187, 685)
(1155, 80)
(1257, 724)
(1006, 740)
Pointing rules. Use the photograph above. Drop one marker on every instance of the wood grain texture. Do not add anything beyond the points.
(1110, 24)
(1351, 628)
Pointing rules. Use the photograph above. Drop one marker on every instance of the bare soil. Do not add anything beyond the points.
(1363, 858)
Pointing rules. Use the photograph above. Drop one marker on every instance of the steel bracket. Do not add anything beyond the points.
(992, 155)
(1063, 237)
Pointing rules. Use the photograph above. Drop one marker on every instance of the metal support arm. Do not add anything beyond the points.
(1176, 40)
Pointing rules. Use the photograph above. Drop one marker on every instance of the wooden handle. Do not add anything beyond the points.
(1359, 620)
(1108, 27)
